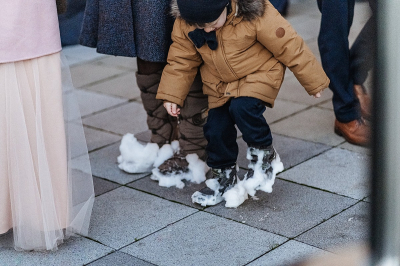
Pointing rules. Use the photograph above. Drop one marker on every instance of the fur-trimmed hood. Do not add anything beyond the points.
(248, 9)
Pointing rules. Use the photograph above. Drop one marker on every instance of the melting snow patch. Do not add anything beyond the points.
(136, 157)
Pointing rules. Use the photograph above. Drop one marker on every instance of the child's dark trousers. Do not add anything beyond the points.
(247, 114)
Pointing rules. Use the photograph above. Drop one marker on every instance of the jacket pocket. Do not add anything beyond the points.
(272, 77)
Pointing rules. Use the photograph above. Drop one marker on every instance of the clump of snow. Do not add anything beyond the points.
(235, 196)
(166, 152)
(196, 174)
(260, 180)
(136, 157)
(197, 168)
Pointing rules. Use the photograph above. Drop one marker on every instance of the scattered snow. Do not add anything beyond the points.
(260, 181)
(136, 157)
(140, 158)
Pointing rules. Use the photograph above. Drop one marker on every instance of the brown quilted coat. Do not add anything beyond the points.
(255, 46)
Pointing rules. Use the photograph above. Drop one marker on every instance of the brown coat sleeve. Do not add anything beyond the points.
(183, 62)
(278, 36)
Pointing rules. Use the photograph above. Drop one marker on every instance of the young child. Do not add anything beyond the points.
(242, 48)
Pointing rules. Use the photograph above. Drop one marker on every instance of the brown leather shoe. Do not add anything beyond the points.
(355, 132)
(364, 99)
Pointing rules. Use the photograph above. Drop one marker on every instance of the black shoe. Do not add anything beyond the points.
(222, 181)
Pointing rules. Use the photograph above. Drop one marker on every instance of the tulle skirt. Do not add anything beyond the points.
(43, 199)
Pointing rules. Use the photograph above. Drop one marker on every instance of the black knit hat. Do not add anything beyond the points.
(201, 11)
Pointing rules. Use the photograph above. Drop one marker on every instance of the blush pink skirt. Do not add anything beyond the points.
(43, 197)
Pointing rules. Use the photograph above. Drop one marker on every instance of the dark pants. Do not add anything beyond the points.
(362, 51)
(247, 114)
(280, 5)
(337, 17)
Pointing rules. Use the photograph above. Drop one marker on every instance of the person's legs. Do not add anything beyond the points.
(336, 20)
(220, 132)
(222, 151)
(247, 113)
(162, 125)
(362, 53)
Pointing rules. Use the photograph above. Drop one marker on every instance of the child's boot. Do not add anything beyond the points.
(223, 180)
(264, 164)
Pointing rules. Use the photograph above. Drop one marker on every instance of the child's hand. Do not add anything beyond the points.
(172, 109)
(317, 95)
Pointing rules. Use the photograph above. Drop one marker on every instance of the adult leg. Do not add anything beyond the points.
(337, 17)
(336, 20)
(162, 125)
(362, 57)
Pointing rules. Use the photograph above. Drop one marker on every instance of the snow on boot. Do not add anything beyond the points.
(179, 167)
(222, 181)
(136, 157)
(264, 164)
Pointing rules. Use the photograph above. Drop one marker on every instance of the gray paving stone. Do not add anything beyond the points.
(339, 171)
(74, 251)
(102, 186)
(91, 102)
(315, 124)
(119, 61)
(120, 259)
(355, 148)
(83, 75)
(293, 91)
(123, 215)
(122, 86)
(96, 138)
(183, 195)
(327, 105)
(289, 210)
(348, 227)
(104, 164)
(128, 118)
(292, 151)
(81, 54)
(288, 254)
(282, 108)
(76, 139)
(306, 28)
(204, 239)
(144, 136)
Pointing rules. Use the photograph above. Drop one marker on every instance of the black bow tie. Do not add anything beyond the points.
(200, 37)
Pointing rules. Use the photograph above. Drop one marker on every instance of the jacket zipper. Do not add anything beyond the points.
(224, 55)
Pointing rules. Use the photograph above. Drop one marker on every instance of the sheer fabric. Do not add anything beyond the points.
(43, 199)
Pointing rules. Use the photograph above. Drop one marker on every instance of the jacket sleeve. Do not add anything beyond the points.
(183, 62)
(278, 36)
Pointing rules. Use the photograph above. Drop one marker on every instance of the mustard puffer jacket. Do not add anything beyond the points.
(254, 47)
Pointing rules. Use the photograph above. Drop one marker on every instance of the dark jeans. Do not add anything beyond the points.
(337, 17)
(247, 114)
